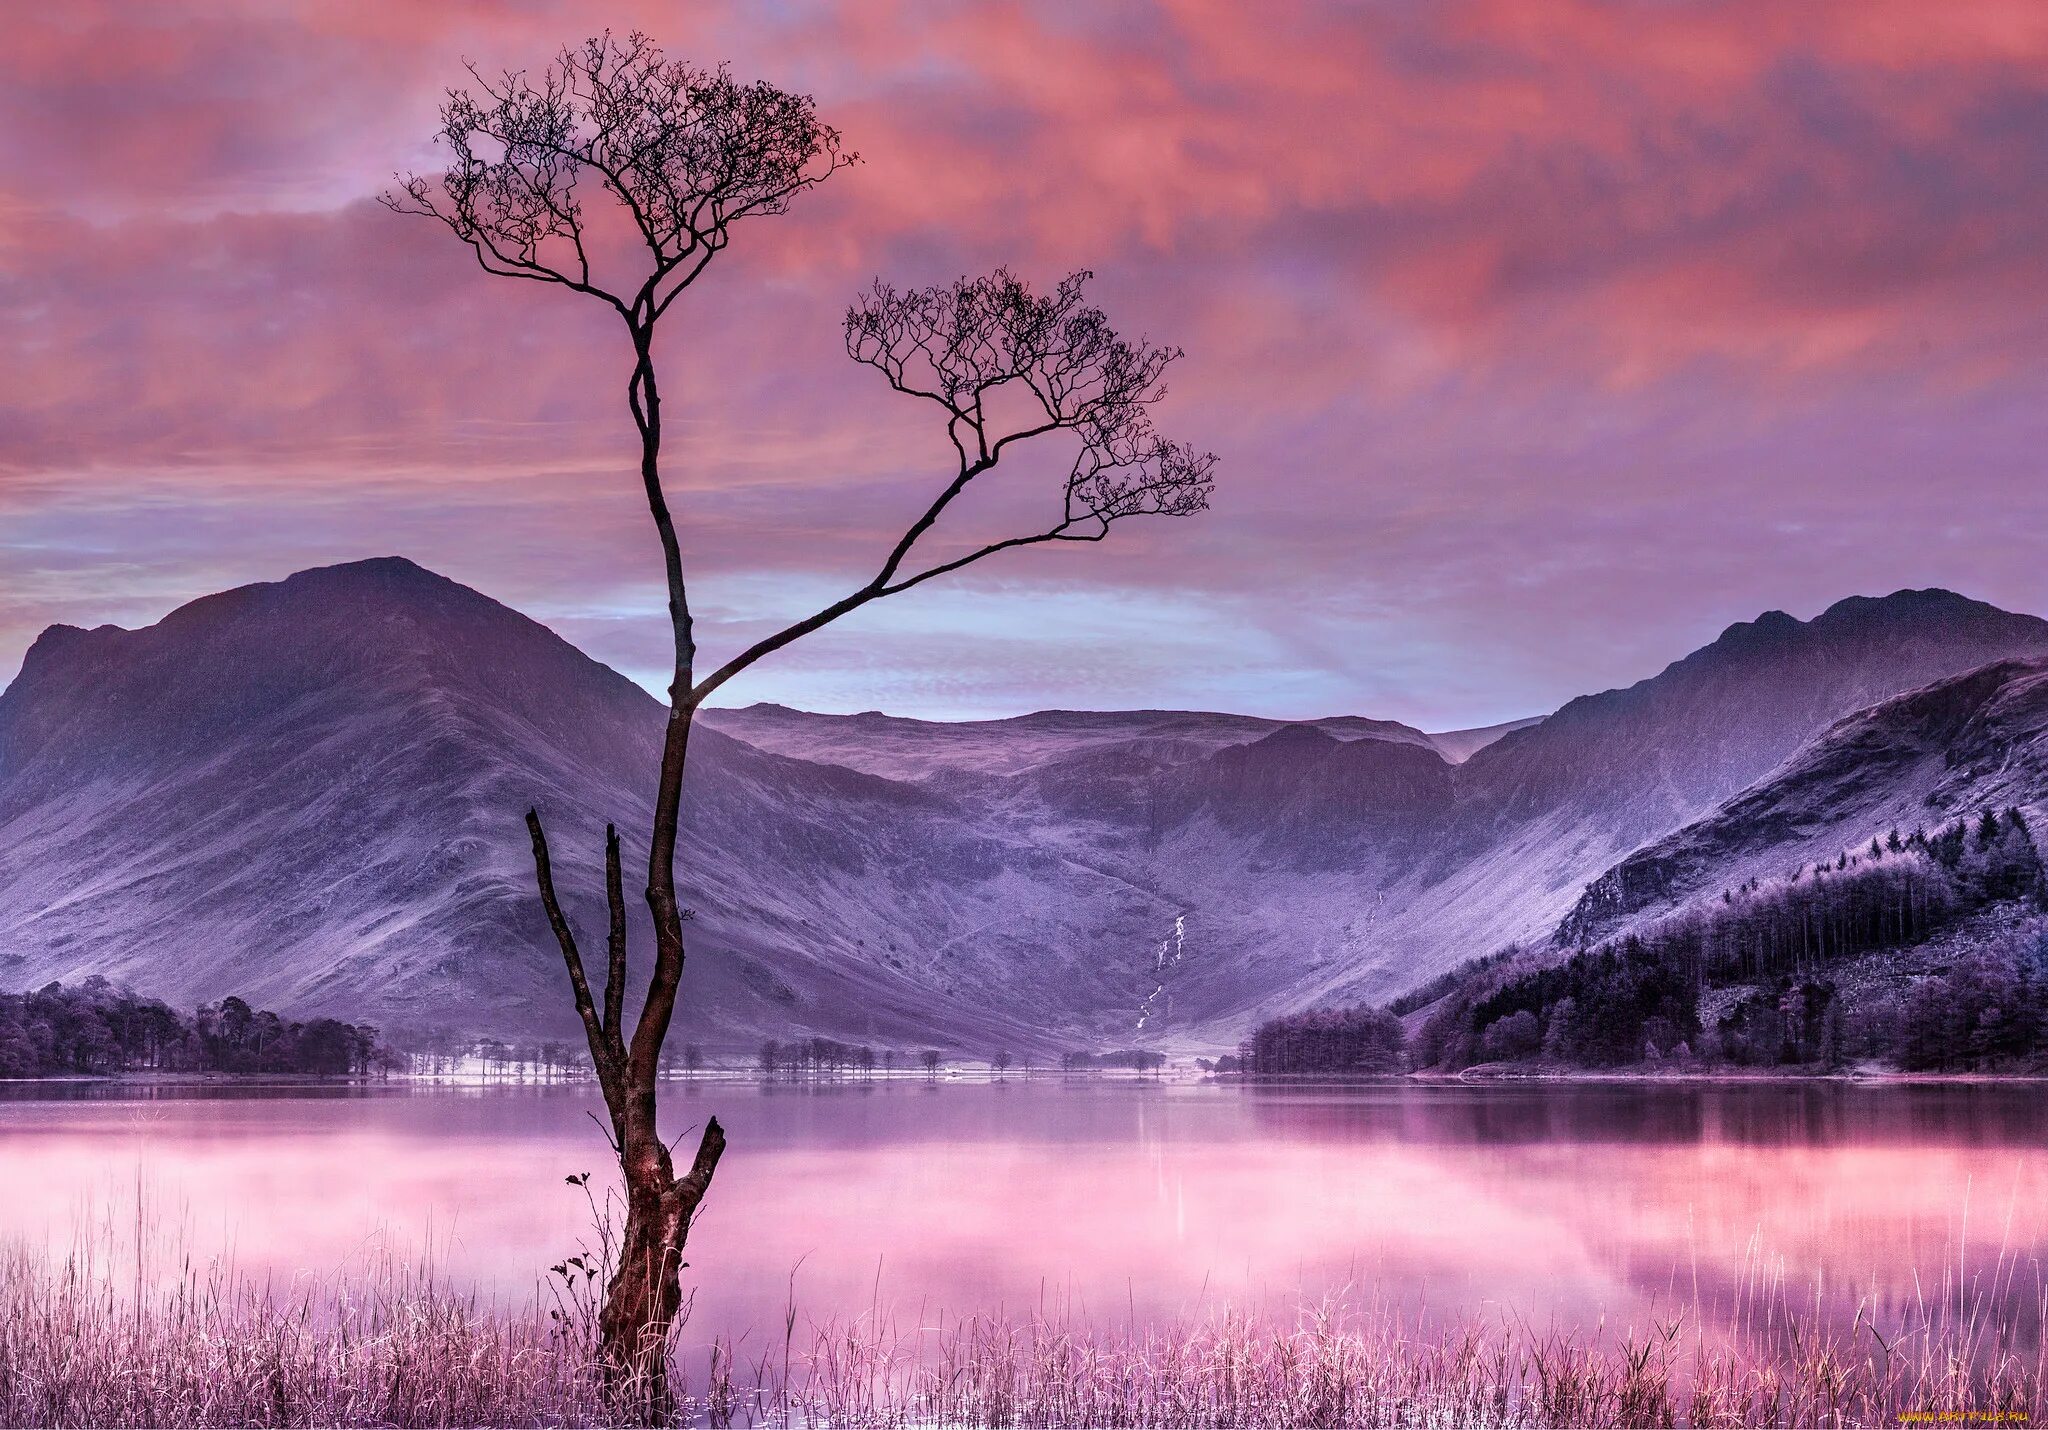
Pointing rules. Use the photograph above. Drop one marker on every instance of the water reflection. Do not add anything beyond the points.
(1560, 1204)
(1819, 1114)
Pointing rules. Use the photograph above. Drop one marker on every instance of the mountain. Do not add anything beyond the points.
(1875, 900)
(1547, 809)
(309, 792)
(915, 749)
(1954, 747)
(1377, 896)
(1725, 715)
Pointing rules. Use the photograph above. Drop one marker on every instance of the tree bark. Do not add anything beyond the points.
(645, 1295)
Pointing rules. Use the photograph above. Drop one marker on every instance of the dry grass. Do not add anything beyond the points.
(78, 1347)
(85, 1343)
(1337, 1369)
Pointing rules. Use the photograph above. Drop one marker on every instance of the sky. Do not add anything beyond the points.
(1538, 340)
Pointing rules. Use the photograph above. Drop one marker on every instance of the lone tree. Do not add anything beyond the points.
(676, 157)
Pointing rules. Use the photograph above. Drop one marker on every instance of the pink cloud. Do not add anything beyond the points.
(1458, 284)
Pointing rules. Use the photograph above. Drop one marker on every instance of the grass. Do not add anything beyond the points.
(90, 1338)
(214, 1350)
(1327, 1370)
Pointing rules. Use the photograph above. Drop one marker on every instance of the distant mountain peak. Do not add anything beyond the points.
(56, 638)
(1932, 606)
(1933, 602)
(1932, 613)
(1770, 623)
(376, 575)
(53, 649)
(379, 565)
(392, 581)
(1296, 737)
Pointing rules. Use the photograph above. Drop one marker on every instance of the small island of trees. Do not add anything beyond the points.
(95, 1028)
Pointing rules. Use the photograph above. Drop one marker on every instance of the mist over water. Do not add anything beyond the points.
(1111, 1199)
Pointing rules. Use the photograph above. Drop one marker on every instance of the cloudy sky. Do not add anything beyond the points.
(1539, 340)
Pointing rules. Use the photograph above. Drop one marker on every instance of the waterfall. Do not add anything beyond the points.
(1172, 949)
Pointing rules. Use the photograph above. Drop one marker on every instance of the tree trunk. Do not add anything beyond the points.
(645, 1296)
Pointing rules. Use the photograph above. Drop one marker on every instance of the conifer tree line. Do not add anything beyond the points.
(97, 1028)
(1775, 950)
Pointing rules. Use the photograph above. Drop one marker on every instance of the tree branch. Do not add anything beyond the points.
(1067, 530)
(615, 944)
(593, 1030)
(710, 1147)
(972, 338)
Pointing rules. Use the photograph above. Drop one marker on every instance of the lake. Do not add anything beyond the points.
(1110, 1199)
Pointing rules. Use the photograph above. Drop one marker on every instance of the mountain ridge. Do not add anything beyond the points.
(308, 790)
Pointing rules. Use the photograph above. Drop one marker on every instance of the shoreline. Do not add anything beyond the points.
(1860, 1077)
(1469, 1078)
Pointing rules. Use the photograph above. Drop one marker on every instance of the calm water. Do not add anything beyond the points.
(1113, 1199)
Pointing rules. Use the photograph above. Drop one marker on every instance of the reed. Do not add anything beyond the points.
(1336, 1367)
(88, 1337)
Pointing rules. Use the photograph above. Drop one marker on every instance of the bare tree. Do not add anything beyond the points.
(685, 154)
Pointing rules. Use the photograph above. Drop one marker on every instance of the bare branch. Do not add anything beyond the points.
(954, 346)
(685, 152)
(593, 1030)
(692, 1185)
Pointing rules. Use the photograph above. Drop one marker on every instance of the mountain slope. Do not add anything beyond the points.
(1341, 860)
(1544, 810)
(1957, 746)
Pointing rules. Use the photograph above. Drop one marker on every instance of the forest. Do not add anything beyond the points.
(96, 1028)
(1770, 974)
(1325, 1041)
